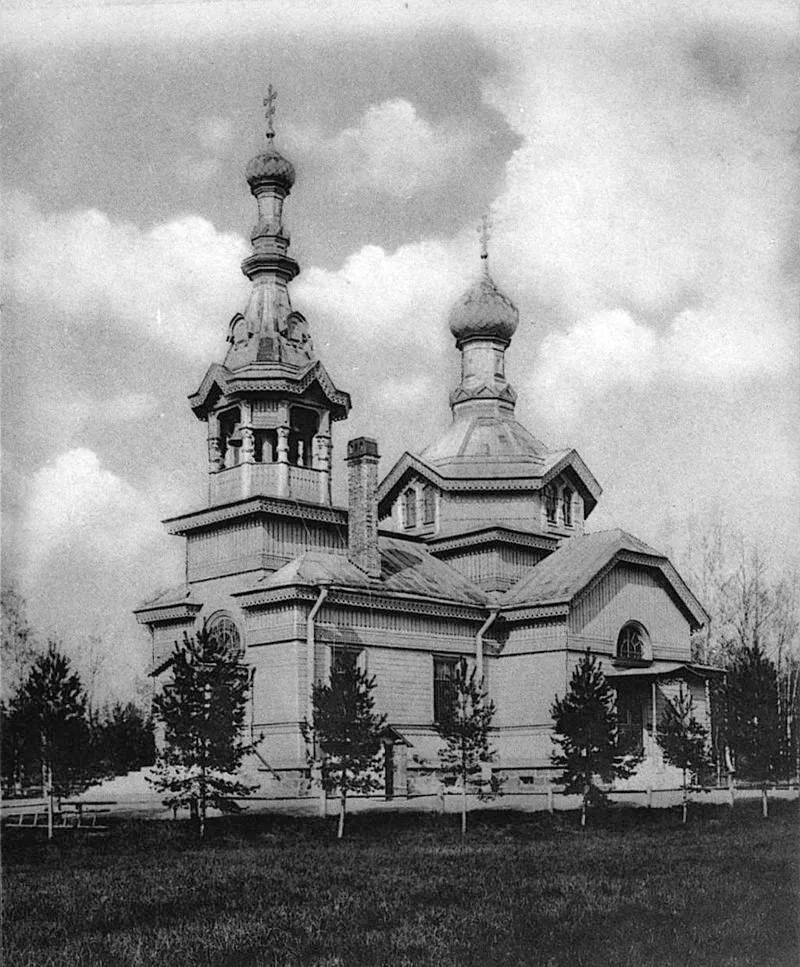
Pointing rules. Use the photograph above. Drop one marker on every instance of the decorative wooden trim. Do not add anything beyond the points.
(491, 535)
(169, 614)
(363, 600)
(254, 507)
(517, 613)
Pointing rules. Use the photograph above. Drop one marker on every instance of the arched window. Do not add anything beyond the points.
(410, 507)
(632, 642)
(566, 506)
(428, 505)
(550, 504)
(222, 631)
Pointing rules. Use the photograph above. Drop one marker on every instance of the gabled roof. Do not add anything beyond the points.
(565, 573)
(406, 568)
(268, 378)
(486, 477)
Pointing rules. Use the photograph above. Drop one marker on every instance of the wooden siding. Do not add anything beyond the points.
(477, 510)
(523, 687)
(404, 684)
(278, 686)
(546, 635)
(630, 594)
(494, 568)
(245, 545)
(165, 636)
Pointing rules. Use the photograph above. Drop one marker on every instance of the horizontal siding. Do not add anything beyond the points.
(279, 679)
(541, 636)
(404, 685)
(165, 637)
(631, 594)
(523, 687)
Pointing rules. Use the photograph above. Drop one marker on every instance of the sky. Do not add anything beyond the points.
(639, 163)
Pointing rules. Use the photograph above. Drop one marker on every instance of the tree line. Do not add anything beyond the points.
(54, 738)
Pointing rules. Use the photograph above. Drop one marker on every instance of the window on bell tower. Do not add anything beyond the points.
(303, 426)
(410, 508)
(550, 504)
(566, 506)
(428, 505)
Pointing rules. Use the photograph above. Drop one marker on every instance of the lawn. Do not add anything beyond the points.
(634, 889)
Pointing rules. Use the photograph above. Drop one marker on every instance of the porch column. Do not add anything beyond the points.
(283, 461)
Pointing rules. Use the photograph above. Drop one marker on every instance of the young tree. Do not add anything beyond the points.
(587, 735)
(683, 739)
(754, 728)
(344, 736)
(123, 739)
(465, 730)
(203, 712)
(48, 718)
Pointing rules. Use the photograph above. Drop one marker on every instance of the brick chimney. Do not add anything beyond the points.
(362, 484)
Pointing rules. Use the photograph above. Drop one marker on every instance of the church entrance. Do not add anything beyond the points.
(388, 769)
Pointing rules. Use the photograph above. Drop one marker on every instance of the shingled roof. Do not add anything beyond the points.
(406, 568)
(561, 576)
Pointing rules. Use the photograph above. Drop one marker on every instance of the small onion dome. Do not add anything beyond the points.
(270, 168)
(483, 311)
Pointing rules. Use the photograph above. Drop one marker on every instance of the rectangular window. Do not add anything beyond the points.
(444, 671)
(343, 658)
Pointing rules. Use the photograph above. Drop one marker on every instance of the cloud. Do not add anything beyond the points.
(391, 150)
(74, 501)
(398, 152)
(174, 284)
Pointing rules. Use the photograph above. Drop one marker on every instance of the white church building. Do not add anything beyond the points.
(477, 546)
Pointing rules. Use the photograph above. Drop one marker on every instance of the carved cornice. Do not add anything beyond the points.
(257, 379)
(254, 507)
(366, 599)
(491, 535)
(523, 612)
(168, 614)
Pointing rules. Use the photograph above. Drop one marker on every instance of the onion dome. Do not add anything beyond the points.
(270, 169)
(483, 312)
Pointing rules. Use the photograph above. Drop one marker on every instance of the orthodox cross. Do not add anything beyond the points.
(269, 104)
(484, 235)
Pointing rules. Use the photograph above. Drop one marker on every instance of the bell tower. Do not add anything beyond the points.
(269, 406)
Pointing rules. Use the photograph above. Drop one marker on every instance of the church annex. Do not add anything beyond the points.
(476, 546)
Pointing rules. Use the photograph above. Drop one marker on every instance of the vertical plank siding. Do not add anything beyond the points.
(630, 594)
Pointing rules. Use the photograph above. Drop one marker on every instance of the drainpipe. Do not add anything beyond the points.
(310, 643)
(479, 640)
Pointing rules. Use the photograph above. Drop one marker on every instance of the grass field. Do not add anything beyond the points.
(635, 889)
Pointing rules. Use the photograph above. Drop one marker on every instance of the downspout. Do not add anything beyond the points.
(310, 647)
(479, 640)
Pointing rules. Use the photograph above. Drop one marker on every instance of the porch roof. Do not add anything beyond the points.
(665, 669)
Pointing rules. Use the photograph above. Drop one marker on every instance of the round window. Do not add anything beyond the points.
(224, 634)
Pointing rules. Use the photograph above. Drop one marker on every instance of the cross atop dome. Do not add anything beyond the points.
(269, 114)
(484, 234)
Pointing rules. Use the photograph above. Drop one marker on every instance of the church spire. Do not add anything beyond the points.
(483, 322)
(269, 331)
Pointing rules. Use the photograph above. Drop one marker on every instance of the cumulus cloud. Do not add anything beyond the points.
(392, 150)
(73, 501)
(173, 284)
(649, 207)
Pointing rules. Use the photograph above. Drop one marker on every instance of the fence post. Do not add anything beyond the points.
(550, 805)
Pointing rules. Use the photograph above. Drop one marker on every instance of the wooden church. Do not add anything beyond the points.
(474, 547)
